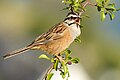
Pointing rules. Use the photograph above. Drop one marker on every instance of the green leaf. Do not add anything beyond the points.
(100, 5)
(62, 74)
(83, 1)
(78, 39)
(66, 8)
(103, 9)
(75, 60)
(98, 8)
(49, 76)
(69, 58)
(112, 16)
(43, 56)
(103, 16)
(81, 26)
(68, 76)
(87, 16)
(111, 7)
(52, 60)
(107, 1)
(77, 5)
(99, 1)
(68, 52)
(64, 67)
(118, 9)
(56, 64)
(65, 70)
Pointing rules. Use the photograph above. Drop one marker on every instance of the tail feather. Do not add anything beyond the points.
(16, 52)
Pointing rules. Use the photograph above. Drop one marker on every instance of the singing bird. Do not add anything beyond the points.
(56, 39)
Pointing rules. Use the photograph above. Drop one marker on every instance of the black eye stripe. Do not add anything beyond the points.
(71, 18)
(71, 24)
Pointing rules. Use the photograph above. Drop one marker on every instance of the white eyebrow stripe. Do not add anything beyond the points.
(69, 21)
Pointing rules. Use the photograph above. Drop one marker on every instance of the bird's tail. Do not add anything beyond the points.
(16, 52)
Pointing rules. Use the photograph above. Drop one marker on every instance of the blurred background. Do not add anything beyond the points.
(21, 21)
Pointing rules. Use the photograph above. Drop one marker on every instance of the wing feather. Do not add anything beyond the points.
(54, 33)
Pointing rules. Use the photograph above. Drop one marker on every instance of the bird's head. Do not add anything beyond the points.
(72, 18)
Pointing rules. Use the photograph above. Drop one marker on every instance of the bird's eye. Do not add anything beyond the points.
(73, 17)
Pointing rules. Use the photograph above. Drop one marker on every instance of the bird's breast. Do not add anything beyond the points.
(75, 30)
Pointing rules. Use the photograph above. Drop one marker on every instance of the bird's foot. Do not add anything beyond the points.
(60, 58)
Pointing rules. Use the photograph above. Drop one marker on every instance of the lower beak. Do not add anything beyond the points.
(77, 21)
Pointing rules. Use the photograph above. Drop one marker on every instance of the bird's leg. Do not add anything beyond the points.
(59, 57)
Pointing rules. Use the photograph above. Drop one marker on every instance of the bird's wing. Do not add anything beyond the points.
(54, 33)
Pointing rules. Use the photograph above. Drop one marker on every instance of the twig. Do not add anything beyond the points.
(48, 72)
(52, 66)
(84, 5)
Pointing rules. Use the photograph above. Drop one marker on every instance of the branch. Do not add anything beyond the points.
(84, 5)
(48, 71)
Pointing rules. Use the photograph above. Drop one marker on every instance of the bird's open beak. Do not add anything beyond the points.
(77, 20)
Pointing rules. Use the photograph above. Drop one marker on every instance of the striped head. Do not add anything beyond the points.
(73, 22)
(72, 18)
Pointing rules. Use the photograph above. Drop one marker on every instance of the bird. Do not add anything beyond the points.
(56, 39)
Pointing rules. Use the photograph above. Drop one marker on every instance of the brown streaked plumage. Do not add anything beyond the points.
(56, 40)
